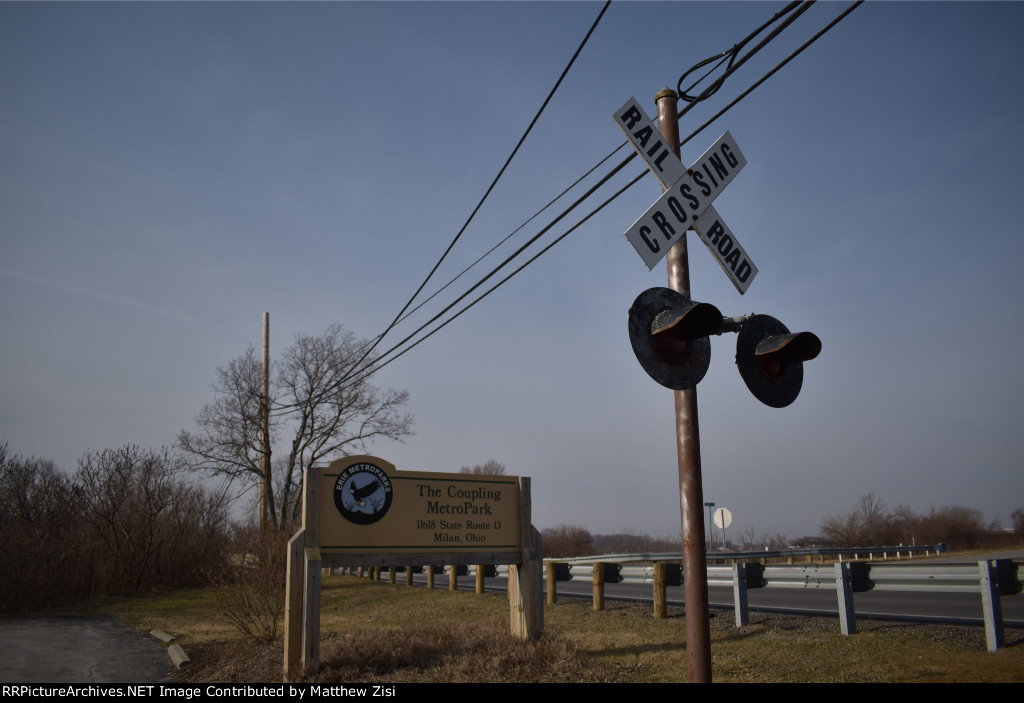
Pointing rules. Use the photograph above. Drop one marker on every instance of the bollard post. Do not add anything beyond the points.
(844, 594)
(990, 605)
(552, 588)
(660, 595)
(739, 593)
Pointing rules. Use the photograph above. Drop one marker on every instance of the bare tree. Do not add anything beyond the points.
(322, 407)
(567, 541)
(490, 468)
(228, 441)
(869, 523)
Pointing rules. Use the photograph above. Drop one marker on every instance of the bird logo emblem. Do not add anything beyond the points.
(362, 493)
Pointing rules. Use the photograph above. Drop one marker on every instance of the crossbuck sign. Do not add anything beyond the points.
(686, 203)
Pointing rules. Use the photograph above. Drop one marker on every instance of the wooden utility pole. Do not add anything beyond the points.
(265, 431)
(691, 491)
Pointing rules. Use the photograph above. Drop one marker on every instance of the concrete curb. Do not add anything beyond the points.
(178, 656)
(175, 652)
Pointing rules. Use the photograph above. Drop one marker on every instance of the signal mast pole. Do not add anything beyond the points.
(691, 489)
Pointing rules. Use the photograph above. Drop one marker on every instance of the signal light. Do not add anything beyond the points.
(669, 334)
(770, 359)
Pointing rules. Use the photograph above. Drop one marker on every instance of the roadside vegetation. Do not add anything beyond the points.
(128, 520)
(135, 533)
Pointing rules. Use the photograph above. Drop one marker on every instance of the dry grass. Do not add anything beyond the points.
(375, 632)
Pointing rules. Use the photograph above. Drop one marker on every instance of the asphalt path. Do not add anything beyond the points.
(83, 649)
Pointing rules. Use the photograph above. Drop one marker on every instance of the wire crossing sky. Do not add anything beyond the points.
(170, 171)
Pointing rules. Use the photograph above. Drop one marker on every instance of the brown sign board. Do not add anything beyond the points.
(367, 506)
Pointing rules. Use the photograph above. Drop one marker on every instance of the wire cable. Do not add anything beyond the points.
(731, 54)
(772, 72)
(393, 351)
(501, 171)
(706, 93)
(513, 232)
(398, 317)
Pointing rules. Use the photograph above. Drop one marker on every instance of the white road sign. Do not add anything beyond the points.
(722, 244)
(687, 202)
(647, 140)
(676, 210)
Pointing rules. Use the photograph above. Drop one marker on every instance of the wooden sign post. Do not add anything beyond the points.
(362, 511)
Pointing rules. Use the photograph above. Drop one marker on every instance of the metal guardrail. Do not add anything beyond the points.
(853, 553)
(990, 579)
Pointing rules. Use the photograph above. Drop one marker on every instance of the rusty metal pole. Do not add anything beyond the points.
(691, 490)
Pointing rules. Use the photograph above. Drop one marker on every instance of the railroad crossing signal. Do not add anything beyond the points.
(686, 202)
(668, 331)
(670, 336)
(770, 359)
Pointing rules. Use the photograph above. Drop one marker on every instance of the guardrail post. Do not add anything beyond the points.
(552, 580)
(990, 605)
(598, 585)
(739, 593)
(660, 597)
(844, 593)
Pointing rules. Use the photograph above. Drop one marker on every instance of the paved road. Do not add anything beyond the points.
(78, 649)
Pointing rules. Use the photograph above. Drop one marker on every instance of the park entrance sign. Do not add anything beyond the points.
(362, 511)
(368, 507)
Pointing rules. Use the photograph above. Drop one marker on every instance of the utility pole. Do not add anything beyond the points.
(691, 490)
(265, 431)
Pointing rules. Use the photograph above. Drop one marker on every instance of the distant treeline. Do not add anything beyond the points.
(872, 523)
(869, 524)
(574, 541)
(128, 520)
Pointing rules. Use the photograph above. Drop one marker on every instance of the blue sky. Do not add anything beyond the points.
(170, 171)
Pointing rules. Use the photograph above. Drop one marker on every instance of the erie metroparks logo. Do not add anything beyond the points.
(362, 493)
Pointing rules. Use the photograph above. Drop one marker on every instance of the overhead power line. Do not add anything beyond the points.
(396, 351)
(723, 56)
(458, 235)
(501, 171)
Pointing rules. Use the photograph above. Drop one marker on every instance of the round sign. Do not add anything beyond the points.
(363, 493)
